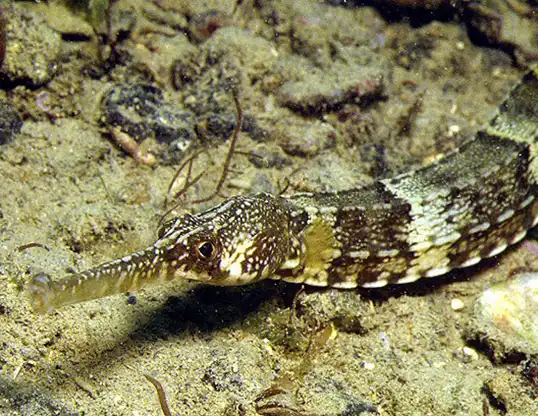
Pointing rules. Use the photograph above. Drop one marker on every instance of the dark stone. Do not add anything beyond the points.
(530, 372)
(128, 108)
(172, 126)
(216, 127)
(360, 408)
(254, 130)
(142, 112)
(10, 122)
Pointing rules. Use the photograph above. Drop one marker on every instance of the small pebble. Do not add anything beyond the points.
(453, 130)
(439, 364)
(457, 304)
(306, 139)
(368, 366)
(469, 354)
(266, 157)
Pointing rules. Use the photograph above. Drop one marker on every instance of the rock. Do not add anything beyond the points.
(63, 20)
(356, 75)
(508, 396)
(31, 50)
(506, 24)
(264, 156)
(506, 318)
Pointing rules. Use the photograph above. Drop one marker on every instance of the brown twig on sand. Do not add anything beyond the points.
(161, 394)
(131, 146)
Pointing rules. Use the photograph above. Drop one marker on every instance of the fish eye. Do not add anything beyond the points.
(206, 250)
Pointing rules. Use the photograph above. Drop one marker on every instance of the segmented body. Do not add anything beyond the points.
(469, 206)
